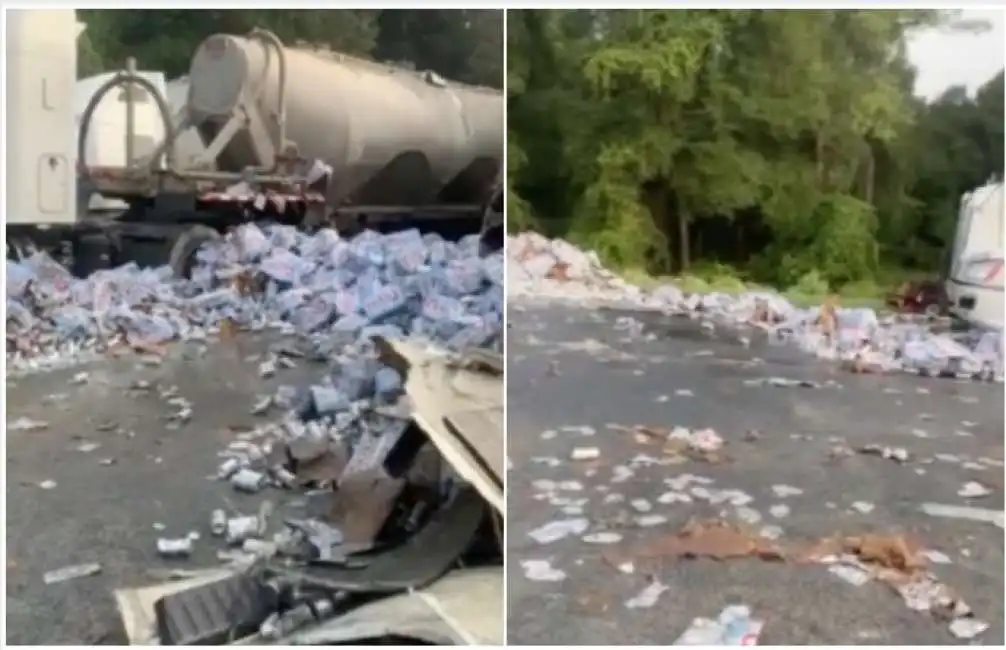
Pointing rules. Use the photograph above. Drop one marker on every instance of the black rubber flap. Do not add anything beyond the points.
(425, 557)
(216, 613)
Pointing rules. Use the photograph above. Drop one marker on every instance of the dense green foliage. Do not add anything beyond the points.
(460, 44)
(786, 145)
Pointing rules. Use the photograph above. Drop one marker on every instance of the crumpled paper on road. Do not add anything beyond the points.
(857, 337)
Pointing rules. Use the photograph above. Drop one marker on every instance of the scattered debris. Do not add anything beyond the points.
(733, 626)
(71, 573)
(779, 510)
(556, 530)
(783, 491)
(983, 515)
(967, 627)
(785, 382)
(936, 557)
(973, 490)
(699, 444)
(899, 454)
(174, 548)
(603, 537)
(541, 571)
(862, 507)
(585, 453)
(648, 596)
(27, 424)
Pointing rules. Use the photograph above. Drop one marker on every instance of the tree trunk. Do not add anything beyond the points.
(819, 159)
(655, 198)
(684, 252)
(871, 174)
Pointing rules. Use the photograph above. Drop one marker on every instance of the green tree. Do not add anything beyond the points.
(784, 141)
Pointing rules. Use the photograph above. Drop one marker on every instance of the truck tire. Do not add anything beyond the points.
(183, 253)
(492, 233)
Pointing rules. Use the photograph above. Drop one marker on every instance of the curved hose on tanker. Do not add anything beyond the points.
(122, 79)
(268, 38)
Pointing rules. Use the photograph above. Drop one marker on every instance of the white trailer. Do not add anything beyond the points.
(975, 282)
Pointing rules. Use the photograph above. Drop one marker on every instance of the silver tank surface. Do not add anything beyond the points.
(189, 145)
(392, 136)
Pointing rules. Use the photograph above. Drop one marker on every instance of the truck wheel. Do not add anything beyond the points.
(183, 253)
(491, 241)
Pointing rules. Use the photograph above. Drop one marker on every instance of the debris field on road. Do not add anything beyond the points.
(328, 446)
(857, 337)
(631, 498)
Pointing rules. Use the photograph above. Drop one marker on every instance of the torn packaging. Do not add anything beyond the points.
(363, 503)
(413, 590)
(459, 408)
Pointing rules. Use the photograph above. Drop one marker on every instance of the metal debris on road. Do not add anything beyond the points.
(218, 523)
(641, 505)
(585, 453)
(648, 521)
(782, 491)
(26, 424)
(851, 571)
(779, 510)
(862, 507)
(648, 597)
(973, 490)
(983, 515)
(936, 557)
(71, 572)
(967, 627)
(241, 528)
(249, 481)
(733, 626)
(785, 382)
(541, 571)
(48, 484)
(899, 454)
(603, 537)
(560, 529)
(174, 548)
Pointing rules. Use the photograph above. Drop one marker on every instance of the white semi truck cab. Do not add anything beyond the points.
(40, 147)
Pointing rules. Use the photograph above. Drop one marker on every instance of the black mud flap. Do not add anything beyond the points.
(424, 558)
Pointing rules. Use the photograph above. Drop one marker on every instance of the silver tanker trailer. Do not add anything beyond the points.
(291, 134)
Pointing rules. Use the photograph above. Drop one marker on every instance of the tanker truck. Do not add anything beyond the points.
(292, 134)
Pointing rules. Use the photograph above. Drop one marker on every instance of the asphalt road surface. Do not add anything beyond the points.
(573, 368)
(121, 472)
